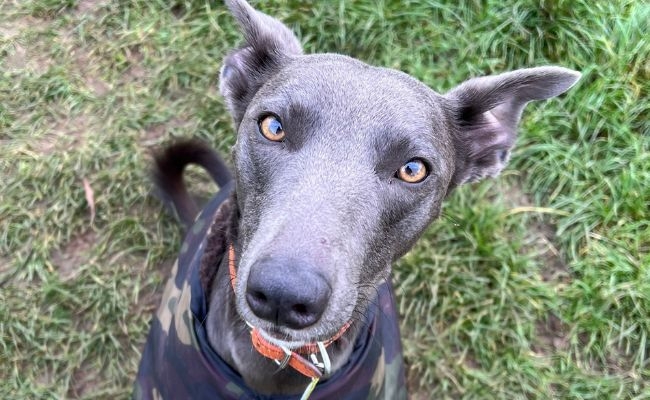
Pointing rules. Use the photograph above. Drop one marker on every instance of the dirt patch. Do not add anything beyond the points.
(83, 62)
(555, 268)
(541, 235)
(10, 271)
(22, 59)
(68, 259)
(616, 360)
(413, 385)
(85, 380)
(17, 58)
(619, 362)
(469, 361)
(45, 378)
(9, 30)
(5, 270)
(89, 7)
(551, 336)
(419, 395)
(36, 57)
(155, 133)
(135, 72)
(97, 86)
(22, 56)
(65, 134)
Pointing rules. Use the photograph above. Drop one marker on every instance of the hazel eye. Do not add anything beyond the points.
(413, 171)
(271, 128)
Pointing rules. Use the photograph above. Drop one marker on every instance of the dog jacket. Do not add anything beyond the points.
(178, 362)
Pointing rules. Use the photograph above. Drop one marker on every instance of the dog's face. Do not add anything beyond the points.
(340, 166)
(329, 195)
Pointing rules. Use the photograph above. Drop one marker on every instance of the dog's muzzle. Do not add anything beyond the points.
(303, 359)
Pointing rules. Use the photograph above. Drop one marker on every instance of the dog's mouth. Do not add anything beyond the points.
(277, 336)
(290, 314)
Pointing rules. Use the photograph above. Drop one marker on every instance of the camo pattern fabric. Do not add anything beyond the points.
(178, 362)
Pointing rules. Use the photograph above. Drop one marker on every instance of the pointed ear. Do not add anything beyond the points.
(268, 44)
(486, 112)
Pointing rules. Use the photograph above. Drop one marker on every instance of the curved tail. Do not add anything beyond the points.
(168, 169)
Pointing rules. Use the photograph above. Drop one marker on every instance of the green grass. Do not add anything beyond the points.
(535, 285)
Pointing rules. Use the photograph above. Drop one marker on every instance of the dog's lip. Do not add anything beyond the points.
(274, 333)
(275, 336)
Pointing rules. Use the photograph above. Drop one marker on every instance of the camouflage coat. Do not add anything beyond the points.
(178, 362)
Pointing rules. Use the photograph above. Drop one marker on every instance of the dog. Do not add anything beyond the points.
(282, 288)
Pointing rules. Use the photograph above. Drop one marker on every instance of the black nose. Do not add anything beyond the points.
(286, 293)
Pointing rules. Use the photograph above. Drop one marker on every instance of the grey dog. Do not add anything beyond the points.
(339, 167)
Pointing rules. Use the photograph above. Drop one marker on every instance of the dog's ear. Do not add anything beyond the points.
(268, 43)
(486, 112)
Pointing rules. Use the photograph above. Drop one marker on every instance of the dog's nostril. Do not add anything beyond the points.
(259, 296)
(299, 308)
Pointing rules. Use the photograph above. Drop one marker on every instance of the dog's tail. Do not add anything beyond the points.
(169, 165)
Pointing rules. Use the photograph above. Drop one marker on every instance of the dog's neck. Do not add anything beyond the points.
(230, 337)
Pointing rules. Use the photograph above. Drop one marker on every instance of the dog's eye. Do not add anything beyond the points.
(413, 171)
(271, 128)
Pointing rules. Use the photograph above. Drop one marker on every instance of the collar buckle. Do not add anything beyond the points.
(285, 361)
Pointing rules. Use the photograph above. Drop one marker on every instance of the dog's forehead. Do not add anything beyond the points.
(341, 85)
(354, 106)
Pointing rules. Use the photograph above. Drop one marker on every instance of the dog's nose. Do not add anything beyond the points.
(286, 293)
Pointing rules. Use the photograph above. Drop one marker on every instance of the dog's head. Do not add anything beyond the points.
(340, 166)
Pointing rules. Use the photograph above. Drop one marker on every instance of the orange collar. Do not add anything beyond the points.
(283, 356)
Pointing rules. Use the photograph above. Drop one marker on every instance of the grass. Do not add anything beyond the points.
(534, 285)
